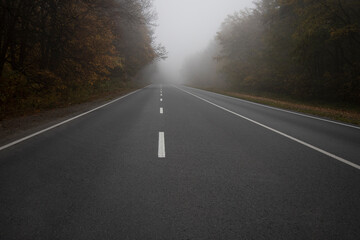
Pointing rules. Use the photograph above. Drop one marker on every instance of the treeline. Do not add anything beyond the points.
(54, 51)
(300, 48)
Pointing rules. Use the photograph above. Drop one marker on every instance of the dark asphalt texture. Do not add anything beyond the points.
(99, 176)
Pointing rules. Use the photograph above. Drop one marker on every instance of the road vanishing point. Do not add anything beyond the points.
(174, 162)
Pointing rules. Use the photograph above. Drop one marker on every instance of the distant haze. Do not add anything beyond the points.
(186, 27)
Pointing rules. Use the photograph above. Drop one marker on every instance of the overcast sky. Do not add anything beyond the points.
(187, 26)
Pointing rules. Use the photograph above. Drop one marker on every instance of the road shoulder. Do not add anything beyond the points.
(335, 114)
(15, 128)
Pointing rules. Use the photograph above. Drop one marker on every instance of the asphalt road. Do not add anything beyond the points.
(205, 166)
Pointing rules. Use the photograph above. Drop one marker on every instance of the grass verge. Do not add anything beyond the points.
(345, 114)
(35, 103)
(16, 127)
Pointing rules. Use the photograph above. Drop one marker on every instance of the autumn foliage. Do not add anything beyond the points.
(55, 51)
(308, 49)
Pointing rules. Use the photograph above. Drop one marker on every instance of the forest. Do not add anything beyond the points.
(304, 49)
(55, 52)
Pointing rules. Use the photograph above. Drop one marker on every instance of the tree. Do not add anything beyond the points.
(53, 48)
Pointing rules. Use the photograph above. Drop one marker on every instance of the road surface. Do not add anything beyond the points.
(172, 162)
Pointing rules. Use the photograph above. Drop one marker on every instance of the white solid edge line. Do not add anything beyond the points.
(63, 122)
(279, 109)
(281, 133)
(161, 150)
(161, 110)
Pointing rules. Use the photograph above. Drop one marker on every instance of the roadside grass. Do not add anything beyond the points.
(35, 104)
(30, 120)
(332, 111)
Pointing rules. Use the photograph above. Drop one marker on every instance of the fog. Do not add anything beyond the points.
(186, 27)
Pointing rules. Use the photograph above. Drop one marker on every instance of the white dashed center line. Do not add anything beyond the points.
(161, 151)
(161, 110)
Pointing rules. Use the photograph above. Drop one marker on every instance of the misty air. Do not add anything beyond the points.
(179, 119)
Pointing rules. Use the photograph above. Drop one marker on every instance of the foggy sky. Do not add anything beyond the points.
(185, 27)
